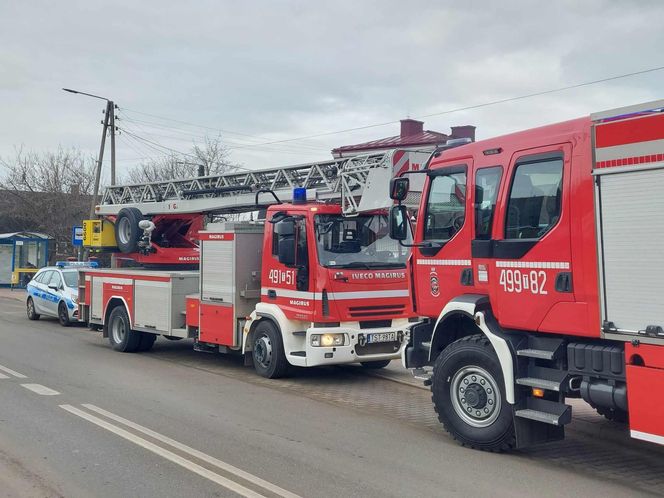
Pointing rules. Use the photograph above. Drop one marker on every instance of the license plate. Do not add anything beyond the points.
(381, 337)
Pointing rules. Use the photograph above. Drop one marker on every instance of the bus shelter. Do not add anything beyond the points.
(21, 255)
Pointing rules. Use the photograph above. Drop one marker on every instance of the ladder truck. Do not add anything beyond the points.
(318, 281)
(538, 262)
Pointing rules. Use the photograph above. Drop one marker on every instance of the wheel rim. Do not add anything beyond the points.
(475, 396)
(31, 308)
(263, 351)
(124, 231)
(63, 314)
(118, 330)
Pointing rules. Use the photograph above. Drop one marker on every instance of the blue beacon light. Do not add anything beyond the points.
(299, 195)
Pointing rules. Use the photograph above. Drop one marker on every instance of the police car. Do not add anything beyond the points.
(53, 291)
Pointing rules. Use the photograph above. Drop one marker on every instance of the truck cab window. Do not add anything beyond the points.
(535, 199)
(446, 206)
(487, 181)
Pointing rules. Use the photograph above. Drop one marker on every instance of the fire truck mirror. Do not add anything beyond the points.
(399, 188)
(286, 251)
(398, 222)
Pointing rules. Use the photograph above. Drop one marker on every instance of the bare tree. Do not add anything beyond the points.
(210, 158)
(47, 192)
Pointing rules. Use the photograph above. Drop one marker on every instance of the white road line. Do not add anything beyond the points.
(39, 389)
(168, 455)
(195, 453)
(13, 372)
(3, 376)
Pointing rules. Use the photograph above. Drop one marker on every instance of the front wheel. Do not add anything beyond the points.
(32, 312)
(268, 351)
(375, 365)
(63, 314)
(120, 335)
(469, 395)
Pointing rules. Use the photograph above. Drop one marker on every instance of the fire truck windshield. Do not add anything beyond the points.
(358, 242)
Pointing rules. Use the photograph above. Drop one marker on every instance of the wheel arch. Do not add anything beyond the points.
(467, 315)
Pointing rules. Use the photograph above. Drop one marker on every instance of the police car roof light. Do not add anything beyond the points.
(77, 264)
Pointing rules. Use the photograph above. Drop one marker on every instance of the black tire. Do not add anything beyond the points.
(127, 233)
(30, 308)
(375, 365)
(467, 378)
(614, 415)
(63, 314)
(268, 351)
(120, 335)
(146, 341)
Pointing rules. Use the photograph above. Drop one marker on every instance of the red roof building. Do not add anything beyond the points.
(412, 136)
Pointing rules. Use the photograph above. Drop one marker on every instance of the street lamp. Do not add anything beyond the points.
(109, 121)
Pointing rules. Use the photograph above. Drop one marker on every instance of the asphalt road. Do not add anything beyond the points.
(78, 419)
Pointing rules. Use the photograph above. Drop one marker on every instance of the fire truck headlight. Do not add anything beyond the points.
(327, 340)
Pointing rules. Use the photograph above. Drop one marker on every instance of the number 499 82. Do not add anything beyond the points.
(518, 281)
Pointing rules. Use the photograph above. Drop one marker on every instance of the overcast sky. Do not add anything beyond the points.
(285, 69)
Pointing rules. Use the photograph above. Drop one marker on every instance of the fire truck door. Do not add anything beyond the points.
(531, 268)
(443, 271)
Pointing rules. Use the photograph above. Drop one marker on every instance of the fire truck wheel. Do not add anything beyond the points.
(120, 335)
(63, 314)
(127, 233)
(268, 351)
(146, 341)
(374, 365)
(32, 314)
(469, 395)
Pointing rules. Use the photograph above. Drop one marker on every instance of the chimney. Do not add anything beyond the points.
(410, 127)
(467, 131)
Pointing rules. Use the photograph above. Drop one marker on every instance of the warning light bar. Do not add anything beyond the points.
(77, 264)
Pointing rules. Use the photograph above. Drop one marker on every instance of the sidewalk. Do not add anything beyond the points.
(17, 294)
(585, 419)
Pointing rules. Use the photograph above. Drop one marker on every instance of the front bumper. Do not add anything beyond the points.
(355, 348)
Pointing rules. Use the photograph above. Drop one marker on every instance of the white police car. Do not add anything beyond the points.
(53, 291)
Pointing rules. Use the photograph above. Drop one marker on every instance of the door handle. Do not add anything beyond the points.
(564, 282)
(467, 276)
(272, 294)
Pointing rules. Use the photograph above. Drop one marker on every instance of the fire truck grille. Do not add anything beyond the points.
(377, 348)
(375, 324)
(376, 311)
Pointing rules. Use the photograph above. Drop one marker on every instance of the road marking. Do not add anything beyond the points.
(3, 376)
(13, 372)
(195, 453)
(164, 453)
(39, 389)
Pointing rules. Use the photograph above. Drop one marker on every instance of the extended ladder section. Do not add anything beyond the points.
(359, 183)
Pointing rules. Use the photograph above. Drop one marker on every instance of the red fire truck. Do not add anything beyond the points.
(538, 261)
(314, 282)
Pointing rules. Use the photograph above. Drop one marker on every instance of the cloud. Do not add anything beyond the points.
(294, 68)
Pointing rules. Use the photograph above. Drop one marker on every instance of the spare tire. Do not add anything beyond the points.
(127, 233)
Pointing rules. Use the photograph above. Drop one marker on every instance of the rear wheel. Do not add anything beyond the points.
(127, 233)
(120, 335)
(32, 312)
(268, 351)
(469, 395)
(374, 365)
(63, 314)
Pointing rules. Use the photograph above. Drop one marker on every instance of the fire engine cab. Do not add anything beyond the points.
(316, 280)
(538, 261)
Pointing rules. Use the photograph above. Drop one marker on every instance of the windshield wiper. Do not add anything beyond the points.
(371, 266)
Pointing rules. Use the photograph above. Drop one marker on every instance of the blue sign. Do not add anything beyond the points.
(77, 236)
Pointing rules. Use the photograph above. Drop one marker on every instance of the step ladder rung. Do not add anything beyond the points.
(550, 385)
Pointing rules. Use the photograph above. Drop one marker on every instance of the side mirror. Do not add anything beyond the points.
(54, 287)
(286, 250)
(399, 188)
(399, 223)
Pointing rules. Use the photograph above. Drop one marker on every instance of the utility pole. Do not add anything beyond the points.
(109, 111)
(109, 121)
(111, 106)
